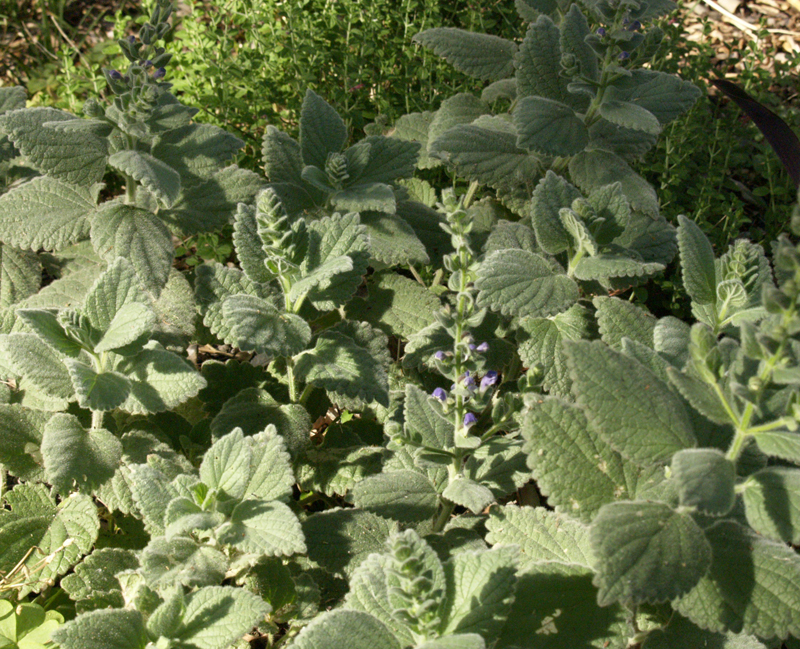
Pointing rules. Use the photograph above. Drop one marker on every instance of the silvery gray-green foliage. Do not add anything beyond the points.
(176, 174)
(579, 105)
(318, 175)
(578, 101)
(667, 451)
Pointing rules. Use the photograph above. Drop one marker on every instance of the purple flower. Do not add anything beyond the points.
(131, 39)
(489, 379)
(483, 347)
(440, 394)
(624, 55)
(147, 64)
(601, 32)
(160, 73)
(439, 356)
(635, 26)
(472, 347)
(114, 74)
(469, 419)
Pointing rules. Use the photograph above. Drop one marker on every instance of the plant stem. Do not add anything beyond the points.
(97, 419)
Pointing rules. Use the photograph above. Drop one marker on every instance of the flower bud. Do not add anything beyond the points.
(440, 394)
(469, 420)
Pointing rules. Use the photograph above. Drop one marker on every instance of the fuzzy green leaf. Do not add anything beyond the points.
(76, 157)
(19, 444)
(45, 213)
(152, 492)
(482, 56)
(705, 480)
(551, 194)
(489, 156)
(607, 266)
(780, 443)
(549, 127)
(681, 632)
(20, 274)
(95, 574)
(389, 159)
(331, 238)
(522, 283)
(322, 131)
(216, 616)
(772, 503)
(414, 127)
(664, 95)
(179, 560)
(628, 405)
(377, 197)
(97, 390)
(646, 552)
(556, 608)
(252, 409)
(248, 245)
(270, 474)
(405, 496)
(133, 322)
(462, 108)
(629, 115)
(753, 585)
(211, 205)
(345, 629)
(499, 465)
(392, 241)
(197, 150)
(103, 629)
(700, 395)
(592, 170)
(29, 357)
(117, 287)
(213, 284)
(263, 528)
(337, 363)
(160, 380)
(397, 305)
(469, 494)
(161, 180)
(340, 539)
(541, 535)
(538, 64)
(425, 423)
(544, 345)
(226, 465)
(574, 30)
(140, 237)
(697, 262)
(67, 532)
(574, 468)
(256, 325)
(618, 319)
(480, 590)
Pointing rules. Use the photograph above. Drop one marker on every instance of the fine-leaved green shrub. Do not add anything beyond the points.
(368, 478)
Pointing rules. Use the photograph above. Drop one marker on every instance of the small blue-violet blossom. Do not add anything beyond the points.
(601, 32)
(114, 74)
(440, 394)
(469, 419)
(483, 347)
(489, 379)
(160, 73)
(439, 356)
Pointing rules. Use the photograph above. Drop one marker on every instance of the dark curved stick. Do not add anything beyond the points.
(780, 137)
